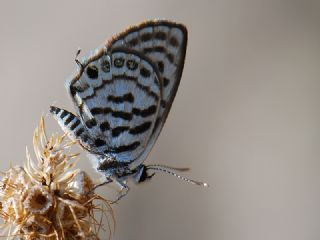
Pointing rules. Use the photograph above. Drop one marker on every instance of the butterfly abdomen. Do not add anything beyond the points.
(72, 125)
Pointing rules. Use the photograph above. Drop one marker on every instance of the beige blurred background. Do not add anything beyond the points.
(246, 118)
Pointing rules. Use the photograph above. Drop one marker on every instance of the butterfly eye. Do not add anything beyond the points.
(92, 72)
(105, 66)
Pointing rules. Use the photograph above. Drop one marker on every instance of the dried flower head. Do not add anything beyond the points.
(49, 198)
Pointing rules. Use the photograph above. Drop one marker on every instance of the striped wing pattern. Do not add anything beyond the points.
(125, 90)
(164, 43)
(118, 102)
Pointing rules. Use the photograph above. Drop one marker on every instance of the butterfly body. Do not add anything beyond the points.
(123, 93)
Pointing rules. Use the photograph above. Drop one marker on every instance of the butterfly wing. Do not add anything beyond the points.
(118, 99)
(164, 43)
(125, 90)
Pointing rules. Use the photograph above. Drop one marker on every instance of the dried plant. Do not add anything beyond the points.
(49, 198)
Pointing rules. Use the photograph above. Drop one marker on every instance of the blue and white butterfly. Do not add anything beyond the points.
(123, 93)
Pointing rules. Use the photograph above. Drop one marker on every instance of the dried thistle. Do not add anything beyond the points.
(49, 198)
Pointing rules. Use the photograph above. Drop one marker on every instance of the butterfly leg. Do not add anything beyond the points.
(108, 180)
(124, 189)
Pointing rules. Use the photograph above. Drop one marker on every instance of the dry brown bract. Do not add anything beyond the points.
(49, 199)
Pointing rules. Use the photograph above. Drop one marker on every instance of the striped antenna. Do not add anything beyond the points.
(168, 170)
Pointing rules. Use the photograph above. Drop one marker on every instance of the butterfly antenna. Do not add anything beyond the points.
(77, 60)
(168, 170)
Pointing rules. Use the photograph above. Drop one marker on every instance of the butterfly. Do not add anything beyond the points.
(123, 92)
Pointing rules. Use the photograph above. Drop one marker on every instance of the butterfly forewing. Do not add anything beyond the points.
(164, 43)
(118, 98)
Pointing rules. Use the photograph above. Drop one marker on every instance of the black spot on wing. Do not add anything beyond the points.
(170, 57)
(166, 81)
(105, 66)
(140, 128)
(104, 126)
(174, 42)
(133, 42)
(91, 123)
(97, 110)
(118, 130)
(160, 35)
(136, 130)
(120, 99)
(118, 62)
(163, 103)
(92, 72)
(126, 148)
(132, 65)
(146, 37)
(121, 114)
(99, 142)
(145, 72)
(145, 112)
(160, 66)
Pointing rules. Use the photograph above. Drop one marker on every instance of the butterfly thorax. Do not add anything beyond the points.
(111, 167)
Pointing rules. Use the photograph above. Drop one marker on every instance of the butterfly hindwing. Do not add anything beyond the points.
(118, 98)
